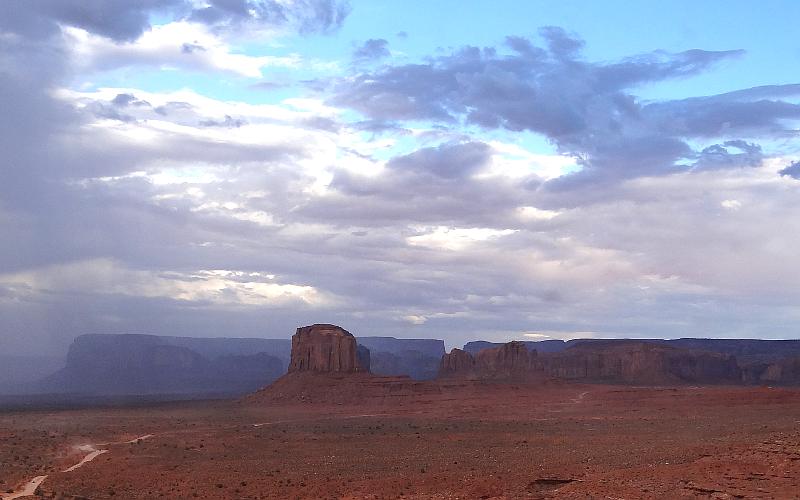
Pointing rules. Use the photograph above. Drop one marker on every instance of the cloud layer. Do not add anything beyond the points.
(394, 198)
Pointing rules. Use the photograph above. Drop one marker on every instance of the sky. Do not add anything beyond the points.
(492, 170)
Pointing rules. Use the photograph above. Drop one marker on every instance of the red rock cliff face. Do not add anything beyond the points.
(611, 362)
(639, 363)
(327, 348)
(456, 363)
(511, 361)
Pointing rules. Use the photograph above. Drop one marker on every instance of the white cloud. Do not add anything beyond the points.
(455, 238)
(415, 319)
(178, 44)
(533, 213)
(217, 287)
(511, 160)
(732, 205)
(559, 335)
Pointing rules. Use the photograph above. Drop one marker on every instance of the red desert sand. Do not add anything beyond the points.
(355, 436)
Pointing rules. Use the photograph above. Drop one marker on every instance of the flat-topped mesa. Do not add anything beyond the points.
(325, 349)
(510, 361)
(507, 361)
(624, 361)
(640, 362)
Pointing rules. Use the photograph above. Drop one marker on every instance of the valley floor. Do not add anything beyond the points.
(460, 441)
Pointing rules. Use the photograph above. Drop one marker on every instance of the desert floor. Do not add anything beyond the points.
(459, 441)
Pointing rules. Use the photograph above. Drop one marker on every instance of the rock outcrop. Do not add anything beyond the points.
(785, 371)
(540, 346)
(327, 349)
(327, 366)
(456, 362)
(630, 362)
(509, 362)
(636, 362)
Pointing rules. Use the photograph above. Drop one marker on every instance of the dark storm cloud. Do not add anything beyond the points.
(419, 189)
(378, 127)
(730, 154)
(585, 108)
(754, 112)
(120, 20)
(45, 217)
(792, 171)
(548, 91)
(372, 49)
(450, 161)
(34, 63)
(307, 16)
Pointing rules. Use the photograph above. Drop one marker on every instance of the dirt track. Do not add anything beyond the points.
(561, 441)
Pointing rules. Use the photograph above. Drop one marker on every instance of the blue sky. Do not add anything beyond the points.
(612, 30)
(614, 169)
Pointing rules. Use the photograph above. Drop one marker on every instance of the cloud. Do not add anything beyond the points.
(307, 16)
(122, 20)
(792, 171)
(587, 109)
(179, 213)
(213, 287)
(174, 45)
(447, 160)
(372, 49)
(720, 155)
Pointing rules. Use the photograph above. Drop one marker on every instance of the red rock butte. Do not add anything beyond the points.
(327, 348)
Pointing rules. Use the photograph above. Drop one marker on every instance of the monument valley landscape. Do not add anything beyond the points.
(399, 249)
(330, 429)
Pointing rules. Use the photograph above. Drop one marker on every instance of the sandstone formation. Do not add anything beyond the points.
(510, 361)
(325, 349)
(630, 362)
(639, 363)
(456, 362)
(541, 346)
(327, 366)
(785, 371)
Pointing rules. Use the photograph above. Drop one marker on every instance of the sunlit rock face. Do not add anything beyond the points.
(327, 348)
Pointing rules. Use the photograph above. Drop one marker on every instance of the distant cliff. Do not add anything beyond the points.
(477, 346)
(126, 364)
(637, 362)
(148, 364)
(745, 350)
(629, 362)
(417, 358)
(771, 362)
